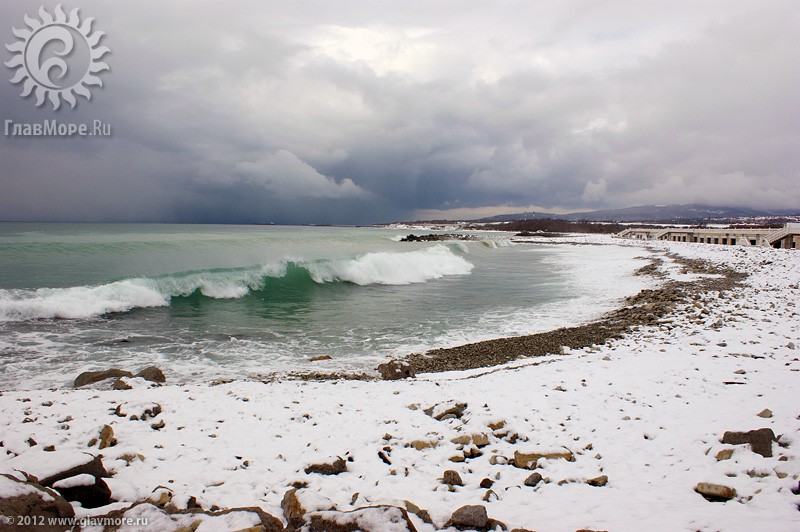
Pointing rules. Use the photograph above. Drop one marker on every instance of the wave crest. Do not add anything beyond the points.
(83, 302)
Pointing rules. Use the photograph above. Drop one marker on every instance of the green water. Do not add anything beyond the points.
(209, 301)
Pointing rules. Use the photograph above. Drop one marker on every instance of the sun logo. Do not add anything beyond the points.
(57, 58)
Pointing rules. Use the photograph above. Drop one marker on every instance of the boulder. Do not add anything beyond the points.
(760, 440)
(470, 517)
(120, 384)
(333, 468)
(152, 374)
(91, 492)
(107, 438)
(23, 499)
(188, 520)
(452, 478)
(533, 479)
(423, 444)
(715, 492)
(395, 369)
(766, 413)
(293, 511)
(365, 519)
(92, 465)
(90, 377)
(480, 440)
(419, 512)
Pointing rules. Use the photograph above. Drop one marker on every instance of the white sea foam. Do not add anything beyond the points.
(392, 268)
(81, 302)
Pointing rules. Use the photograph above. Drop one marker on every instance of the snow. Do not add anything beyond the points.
(83, 479)
(648, 411)
(43, 464)
(10, 489)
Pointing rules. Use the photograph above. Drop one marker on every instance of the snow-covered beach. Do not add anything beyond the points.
(641, 417)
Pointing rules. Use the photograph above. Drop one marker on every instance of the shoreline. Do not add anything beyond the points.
(645, 308)
(551, 442)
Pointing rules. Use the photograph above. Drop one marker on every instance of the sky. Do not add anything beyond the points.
(366, 111)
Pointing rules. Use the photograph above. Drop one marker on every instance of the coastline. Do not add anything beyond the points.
(643, 398)
(645, 308)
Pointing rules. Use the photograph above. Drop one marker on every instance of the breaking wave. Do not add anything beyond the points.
(82, 302)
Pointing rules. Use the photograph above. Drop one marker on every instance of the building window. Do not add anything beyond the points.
(752, 241)
(725, 241)
(716, 240)
(733, 241)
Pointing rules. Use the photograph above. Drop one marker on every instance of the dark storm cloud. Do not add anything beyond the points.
(353, 113)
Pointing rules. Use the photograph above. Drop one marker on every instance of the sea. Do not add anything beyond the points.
(205, 302)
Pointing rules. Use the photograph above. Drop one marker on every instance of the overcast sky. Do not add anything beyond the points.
(366, 111)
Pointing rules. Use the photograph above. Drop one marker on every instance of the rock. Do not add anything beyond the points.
(120, 384)
(419, 512)
(760, 440)
(395, 369)
(92, 465)
(487, 483)
(293, 511)
(34, 501)
(528, 460)
(364, 519)
(90, 377)
(151, 412)
(107, 438)
(472, 452)
(160, 496)
(446, 410)
(189, 520)
(152, 374)
(160, 424)
(724, 454)
(91, 492)
(333, 468)
(496, 425)
(533, 479)
(452, 478)
(470, 517)
(320, 358)
(461, 440)
(766, 413)
(715, 492)
(457, 458)
(423, 444)
(480, 440)
(598, 482)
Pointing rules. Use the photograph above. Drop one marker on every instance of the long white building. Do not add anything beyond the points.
(785, 237)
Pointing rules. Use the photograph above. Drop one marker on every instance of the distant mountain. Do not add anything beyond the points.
(652, 213)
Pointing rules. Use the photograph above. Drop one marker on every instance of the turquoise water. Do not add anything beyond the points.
(209, 301)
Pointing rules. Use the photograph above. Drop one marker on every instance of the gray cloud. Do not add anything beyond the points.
(313, 112)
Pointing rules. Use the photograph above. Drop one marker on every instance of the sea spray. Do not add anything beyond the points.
(82, 302)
